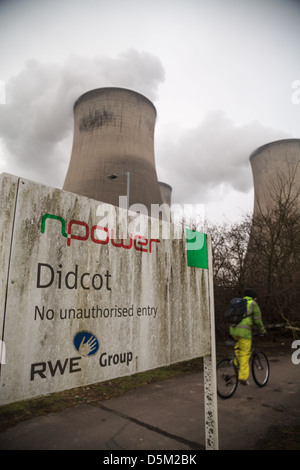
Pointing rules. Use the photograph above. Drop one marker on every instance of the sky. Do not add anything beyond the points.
(223, 75)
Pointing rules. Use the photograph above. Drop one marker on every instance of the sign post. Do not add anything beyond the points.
(200, 256)
(210, 370)
(81, 303)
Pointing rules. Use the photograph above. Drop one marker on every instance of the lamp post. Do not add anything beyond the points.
(127, 173)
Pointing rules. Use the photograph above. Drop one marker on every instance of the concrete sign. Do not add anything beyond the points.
(79, 305)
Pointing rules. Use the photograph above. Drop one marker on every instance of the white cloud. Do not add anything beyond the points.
(204, 163)
(36, 123)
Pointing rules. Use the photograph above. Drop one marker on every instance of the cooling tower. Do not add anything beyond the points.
(274, 166)
(166, 193)
(114, 135)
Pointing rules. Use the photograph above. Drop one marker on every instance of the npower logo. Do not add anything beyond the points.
(139, 242)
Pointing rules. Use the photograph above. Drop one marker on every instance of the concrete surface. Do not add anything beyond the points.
(168, 415)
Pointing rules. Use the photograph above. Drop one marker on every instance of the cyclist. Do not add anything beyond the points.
(242, 334)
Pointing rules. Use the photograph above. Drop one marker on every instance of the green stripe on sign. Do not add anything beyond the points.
(196, 249)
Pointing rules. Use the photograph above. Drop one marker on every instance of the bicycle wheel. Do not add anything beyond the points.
(260, 368)
(227, 378)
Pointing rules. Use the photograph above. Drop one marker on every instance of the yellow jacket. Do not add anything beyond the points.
(253, 319)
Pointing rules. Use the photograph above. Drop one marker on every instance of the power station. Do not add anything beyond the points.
(113, 153)
(274, 166)
(113, 148)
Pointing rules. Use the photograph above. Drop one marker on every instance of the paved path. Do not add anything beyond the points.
(168, 415)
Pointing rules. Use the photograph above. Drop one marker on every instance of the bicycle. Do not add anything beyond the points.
(227, 371)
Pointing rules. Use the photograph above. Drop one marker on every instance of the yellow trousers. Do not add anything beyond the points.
(242, 352)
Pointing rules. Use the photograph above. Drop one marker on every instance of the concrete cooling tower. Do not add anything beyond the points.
(114, 135)
(274, 165)
(166, 193)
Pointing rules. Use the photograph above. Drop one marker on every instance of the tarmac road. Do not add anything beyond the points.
(168, 415)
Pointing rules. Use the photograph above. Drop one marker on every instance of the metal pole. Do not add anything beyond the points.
(128, 188)
(210, 368)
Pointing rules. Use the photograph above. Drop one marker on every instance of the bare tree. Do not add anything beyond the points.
(273, 258)
(262, 251)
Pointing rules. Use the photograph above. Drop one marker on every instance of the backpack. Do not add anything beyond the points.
(236, 311)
